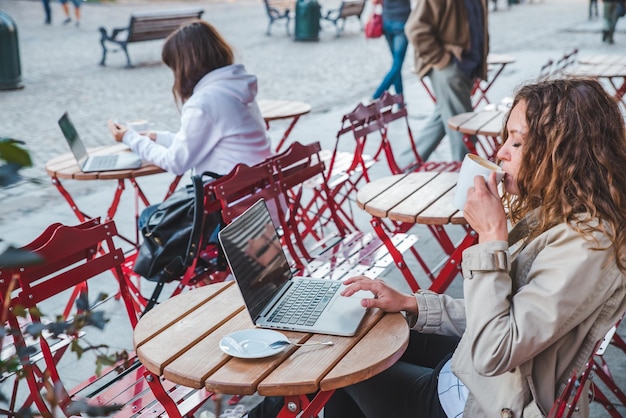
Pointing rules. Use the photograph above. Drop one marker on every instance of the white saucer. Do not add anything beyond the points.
(251, 343)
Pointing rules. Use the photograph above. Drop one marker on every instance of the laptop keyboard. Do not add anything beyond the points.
(102, 162)
(305, 302)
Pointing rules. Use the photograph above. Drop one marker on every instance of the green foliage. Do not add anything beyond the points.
(15, 158)
(86, 317)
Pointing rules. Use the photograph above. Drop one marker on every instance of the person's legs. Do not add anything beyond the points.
(268, 408)
(609, 14)
(77, 4)
(66, 11)
(406, 389)
(48, 12)
(398, 43)
(450, 101)
(453, 90)
(593, 4)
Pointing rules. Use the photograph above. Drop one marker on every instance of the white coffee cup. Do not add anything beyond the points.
(473, 165)
(139, 125)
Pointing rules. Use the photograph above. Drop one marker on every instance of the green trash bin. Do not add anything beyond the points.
(10, 68)
(308, 15)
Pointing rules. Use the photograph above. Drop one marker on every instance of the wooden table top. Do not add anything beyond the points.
(500, 59)
(282, 109)
(483, 122)
(606, 70)
(66, 167)
(603, 59)
(179, 339)
(422, 197)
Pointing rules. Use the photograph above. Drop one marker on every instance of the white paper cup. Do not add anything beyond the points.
(473, 165)
(140, 125)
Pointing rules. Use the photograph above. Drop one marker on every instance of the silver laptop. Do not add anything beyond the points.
(273, 296)
(89, 163)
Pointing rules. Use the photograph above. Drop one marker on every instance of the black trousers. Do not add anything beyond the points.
(406, 389)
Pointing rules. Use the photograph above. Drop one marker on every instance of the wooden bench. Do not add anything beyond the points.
(145, 27)
(346, 9)
(279, 10)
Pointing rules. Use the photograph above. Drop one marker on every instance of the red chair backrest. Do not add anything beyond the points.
(72, 255)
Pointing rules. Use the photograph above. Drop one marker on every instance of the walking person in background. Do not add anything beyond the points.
(66, 10)
(451, 42)
(47, 11)
(395, 13)
(610, 15)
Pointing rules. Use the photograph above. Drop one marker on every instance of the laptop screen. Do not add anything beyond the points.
(76, 145)
(255, 256)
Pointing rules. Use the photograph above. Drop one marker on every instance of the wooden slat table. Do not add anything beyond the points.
(65, 167)
(179, 340)
(495, 65)
(487, 125)
(608, 67)
(283, 109)
(419, 198)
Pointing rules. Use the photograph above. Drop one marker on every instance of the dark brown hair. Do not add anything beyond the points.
(192, 51)
(574, 160)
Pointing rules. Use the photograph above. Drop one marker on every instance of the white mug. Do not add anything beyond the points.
(139, 125)
(473, 165)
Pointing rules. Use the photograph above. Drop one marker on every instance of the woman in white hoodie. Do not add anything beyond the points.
(221, 124)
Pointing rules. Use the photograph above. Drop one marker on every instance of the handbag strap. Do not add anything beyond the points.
(168, 273)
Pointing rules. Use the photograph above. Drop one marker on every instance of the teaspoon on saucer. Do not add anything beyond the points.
(281, 343)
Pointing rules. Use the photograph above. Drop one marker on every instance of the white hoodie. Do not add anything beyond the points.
(221, 125)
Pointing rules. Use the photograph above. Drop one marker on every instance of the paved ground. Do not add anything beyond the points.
(60, 72)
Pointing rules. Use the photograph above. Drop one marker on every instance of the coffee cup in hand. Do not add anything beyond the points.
(473, 165)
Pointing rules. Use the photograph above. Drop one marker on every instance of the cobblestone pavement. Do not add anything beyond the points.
(60, 72)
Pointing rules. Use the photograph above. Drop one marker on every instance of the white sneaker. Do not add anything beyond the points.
(207, 414)
(237, 412)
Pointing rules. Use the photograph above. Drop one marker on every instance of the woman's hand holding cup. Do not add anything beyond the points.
(477, 195)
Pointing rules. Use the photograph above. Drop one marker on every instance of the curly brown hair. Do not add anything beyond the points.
(192, 51)
(574, 160)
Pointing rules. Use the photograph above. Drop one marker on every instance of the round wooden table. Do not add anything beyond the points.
(419, 198)
(283, 109)
(487, 125)
(179, 340)
(65, 167)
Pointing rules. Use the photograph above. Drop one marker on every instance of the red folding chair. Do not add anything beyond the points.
(72, 257)
(569, 58)
(312, 213)
(390, 108)
(581, 384)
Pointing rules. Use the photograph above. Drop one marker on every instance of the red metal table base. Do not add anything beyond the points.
(294, 405)
(450, 267)
(110, 214)
(286, 134)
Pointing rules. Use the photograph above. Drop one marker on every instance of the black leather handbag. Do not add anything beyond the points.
(171, 236)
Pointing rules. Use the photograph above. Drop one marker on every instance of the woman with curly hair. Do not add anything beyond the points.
(537, 297)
